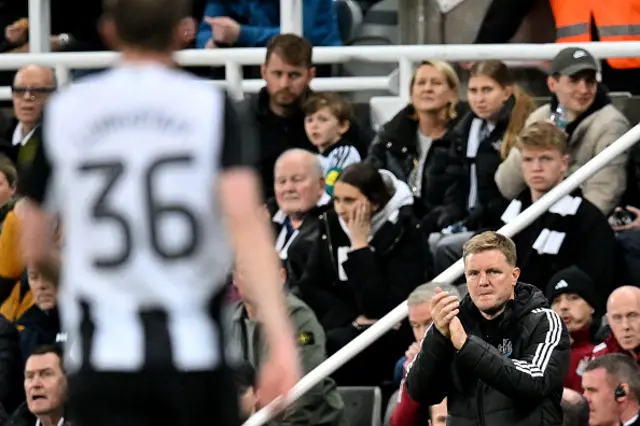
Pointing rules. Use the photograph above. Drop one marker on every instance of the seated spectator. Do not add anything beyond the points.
(12, 265)
(45, 384)
(277, 109)
(245, 23)
(299, 204)
(11, 363)
(8, 186)
(322, 405)
(328, 117)
(556, 239)
(31, 88)
(625, 221)
(612, 387)
(19, 301)
(40, 324)
(623, 316)
(575, 408)
(408, 412)
(593, 124)
(416, 146)
(245, 376)
(368, 259)
(572, 295)
(483, 138)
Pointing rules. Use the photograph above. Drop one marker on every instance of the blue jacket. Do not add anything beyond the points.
(260, 21)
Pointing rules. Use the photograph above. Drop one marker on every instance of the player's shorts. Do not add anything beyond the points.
(151, 399)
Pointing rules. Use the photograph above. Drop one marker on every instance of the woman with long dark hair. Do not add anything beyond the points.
(368, 258)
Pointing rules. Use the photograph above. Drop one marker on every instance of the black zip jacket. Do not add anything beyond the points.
(380, 276)
(509, 371)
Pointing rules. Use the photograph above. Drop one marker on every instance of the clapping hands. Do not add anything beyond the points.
(444, 309)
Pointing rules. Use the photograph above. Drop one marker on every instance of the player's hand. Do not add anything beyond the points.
(443, 309)
(280, 372)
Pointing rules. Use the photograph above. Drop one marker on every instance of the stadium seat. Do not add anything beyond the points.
(349, 19)
(363, 405)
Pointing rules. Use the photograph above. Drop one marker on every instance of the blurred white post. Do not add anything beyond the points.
(39, 26)
(291, 17)
(405, 72)
(233, 72)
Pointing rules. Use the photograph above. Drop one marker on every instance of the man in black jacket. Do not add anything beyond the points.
(500, 355)
(277, 110)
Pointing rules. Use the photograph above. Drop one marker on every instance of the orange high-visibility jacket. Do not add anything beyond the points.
(616, 20)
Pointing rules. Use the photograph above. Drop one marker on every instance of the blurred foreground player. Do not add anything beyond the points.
(145, 167)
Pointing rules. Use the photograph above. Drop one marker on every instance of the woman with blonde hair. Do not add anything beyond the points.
(415, 144)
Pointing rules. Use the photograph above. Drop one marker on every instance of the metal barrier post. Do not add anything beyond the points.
(291, 17)
(39, 26)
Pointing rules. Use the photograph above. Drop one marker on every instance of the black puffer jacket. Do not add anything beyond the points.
(509, 371)
(396, 149)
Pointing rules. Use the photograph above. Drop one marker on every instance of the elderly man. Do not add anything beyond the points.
(45, 384)
(499, 356)
(31, 87)
(300, 201)
(623, 316)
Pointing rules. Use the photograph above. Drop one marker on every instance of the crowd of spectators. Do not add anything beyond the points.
(362, 221)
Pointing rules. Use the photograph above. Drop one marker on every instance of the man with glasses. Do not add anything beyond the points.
(31, 87)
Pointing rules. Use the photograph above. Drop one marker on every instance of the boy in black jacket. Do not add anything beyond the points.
(573, 232)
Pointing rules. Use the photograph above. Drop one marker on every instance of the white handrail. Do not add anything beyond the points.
(398, 314)
(333, 55)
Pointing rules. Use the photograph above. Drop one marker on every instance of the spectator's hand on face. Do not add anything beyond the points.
(635, 224)
(360, 224)
(16, 33)
(225, 30)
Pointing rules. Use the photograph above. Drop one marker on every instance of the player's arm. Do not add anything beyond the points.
(38, 245)
(251, 235)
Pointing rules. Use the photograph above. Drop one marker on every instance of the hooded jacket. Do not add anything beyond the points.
(341, 283)
(508, 372)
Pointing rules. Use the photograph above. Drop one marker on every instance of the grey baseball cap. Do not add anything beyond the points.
(572, 60)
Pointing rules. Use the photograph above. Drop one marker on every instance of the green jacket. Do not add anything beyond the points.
(322, 405)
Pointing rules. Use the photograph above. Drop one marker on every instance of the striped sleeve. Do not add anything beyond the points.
(540, 367)
(335, 162)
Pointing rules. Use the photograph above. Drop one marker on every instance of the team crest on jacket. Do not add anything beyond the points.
(505, 348)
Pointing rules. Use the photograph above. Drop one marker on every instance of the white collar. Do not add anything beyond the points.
(60, 423)
(18, 139)
(631, 420)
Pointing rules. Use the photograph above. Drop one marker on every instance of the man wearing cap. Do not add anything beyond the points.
(593, 124)
(572, 295)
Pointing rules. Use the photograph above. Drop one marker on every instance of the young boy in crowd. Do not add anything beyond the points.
(327, 119)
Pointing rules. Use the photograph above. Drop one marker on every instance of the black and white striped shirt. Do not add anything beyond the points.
(130, 159)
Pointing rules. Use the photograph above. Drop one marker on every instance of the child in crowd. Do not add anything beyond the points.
(327, 119)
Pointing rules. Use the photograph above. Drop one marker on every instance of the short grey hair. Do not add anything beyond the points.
(423, 293)
(315, 166)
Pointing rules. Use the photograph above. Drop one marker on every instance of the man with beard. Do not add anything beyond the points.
(499, 356)
(277, 110)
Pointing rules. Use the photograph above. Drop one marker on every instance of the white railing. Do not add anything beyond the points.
(387, 322)
(404, 56)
